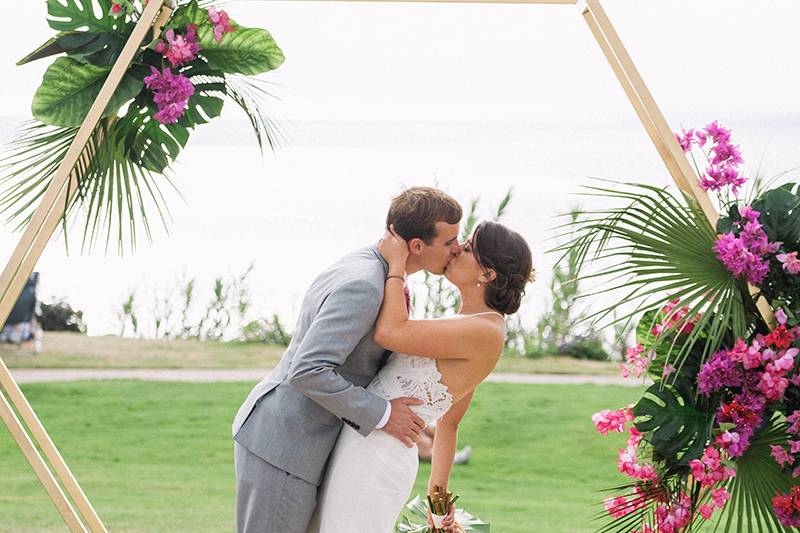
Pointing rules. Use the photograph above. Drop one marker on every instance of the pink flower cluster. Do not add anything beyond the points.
(760, 370)
(221, 22)
(673, 517)
(620, 506)
(116, 8)
(636, 361)
(612, 420)
(724, 157)
(790, 458)
(674, 316)
(745, 255)
(628, 462)
(787, 507)
(790, 262)
(710, 468)
(719, 497)
(179, 49)
(171, 94)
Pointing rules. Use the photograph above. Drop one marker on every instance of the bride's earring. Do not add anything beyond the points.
(479, 284)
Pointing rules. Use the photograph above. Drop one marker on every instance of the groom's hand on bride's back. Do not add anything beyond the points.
(404, 424)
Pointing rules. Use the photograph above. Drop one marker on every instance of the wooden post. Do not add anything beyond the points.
(45, 219)
(654, 122)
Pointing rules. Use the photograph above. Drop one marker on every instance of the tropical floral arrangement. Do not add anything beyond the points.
(417, 509)
(715, 440)
(176, 82)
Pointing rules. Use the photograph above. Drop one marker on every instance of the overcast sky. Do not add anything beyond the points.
(494, 62)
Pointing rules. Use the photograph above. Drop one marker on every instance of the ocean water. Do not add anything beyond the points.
(325, 191)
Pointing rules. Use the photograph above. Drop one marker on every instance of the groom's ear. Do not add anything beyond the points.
(415, 246)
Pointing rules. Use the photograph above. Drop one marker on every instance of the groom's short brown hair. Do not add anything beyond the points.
(415, 212)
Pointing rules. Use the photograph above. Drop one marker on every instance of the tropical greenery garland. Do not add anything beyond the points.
(715, 441)
(174, 84)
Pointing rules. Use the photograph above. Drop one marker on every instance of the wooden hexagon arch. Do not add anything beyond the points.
(63, 186)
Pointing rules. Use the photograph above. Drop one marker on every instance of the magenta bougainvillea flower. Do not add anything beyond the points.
(725, 158)
(745, 255)
(221, 22)
(171, 94)
(790, 262)
(179, 49)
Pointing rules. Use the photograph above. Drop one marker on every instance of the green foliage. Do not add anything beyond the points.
(80, 15)
(118, 187)
(69, 89)
(584, 347)
(758, 479)
(676, 424)
(60, 316)
(267, 331)
(655, 248)
(248, 51)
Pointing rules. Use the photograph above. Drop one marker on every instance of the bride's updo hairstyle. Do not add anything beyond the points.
(505, 251)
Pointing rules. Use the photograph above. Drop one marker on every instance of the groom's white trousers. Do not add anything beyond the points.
(268, 499)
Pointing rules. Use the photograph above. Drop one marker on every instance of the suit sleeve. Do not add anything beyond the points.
(346, 316)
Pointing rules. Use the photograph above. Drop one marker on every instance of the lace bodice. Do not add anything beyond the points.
(415, 377)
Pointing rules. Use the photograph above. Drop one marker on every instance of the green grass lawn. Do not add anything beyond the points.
(73, 350)
(158, 456)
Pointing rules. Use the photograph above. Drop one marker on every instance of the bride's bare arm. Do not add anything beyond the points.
(445, 441)
(456, 337)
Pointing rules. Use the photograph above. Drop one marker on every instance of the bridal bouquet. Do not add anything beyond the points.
(175, 83)
(418, 509)
(715, 440)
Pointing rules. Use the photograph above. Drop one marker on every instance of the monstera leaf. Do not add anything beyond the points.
(779, 209)
(676, 427)
(69, 88)
(100, 49)
(155, 146)
(80, 15)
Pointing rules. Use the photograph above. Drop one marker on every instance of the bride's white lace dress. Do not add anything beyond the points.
(369, 479)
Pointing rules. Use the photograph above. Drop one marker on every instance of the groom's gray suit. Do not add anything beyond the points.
(288, 425)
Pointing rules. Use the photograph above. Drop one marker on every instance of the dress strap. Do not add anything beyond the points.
(488, 313)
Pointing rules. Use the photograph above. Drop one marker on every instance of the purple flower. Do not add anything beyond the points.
(685, 140)
(720, 371)
(171, 94)
(745, 255)
(739, 260)
(718, 133)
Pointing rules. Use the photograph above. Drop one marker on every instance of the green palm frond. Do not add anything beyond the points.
(758, 479)
(251, 95)
(114, 193)
(27, 166)
(653, 249)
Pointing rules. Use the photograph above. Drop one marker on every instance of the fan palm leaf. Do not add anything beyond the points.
(653, 249)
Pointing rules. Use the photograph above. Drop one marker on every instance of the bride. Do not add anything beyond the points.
(369, 479)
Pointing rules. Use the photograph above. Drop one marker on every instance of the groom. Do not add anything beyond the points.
(288, 425)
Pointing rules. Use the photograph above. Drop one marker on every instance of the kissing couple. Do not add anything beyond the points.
(326, 443)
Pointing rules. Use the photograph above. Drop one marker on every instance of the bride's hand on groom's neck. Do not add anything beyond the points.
(394, 249)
